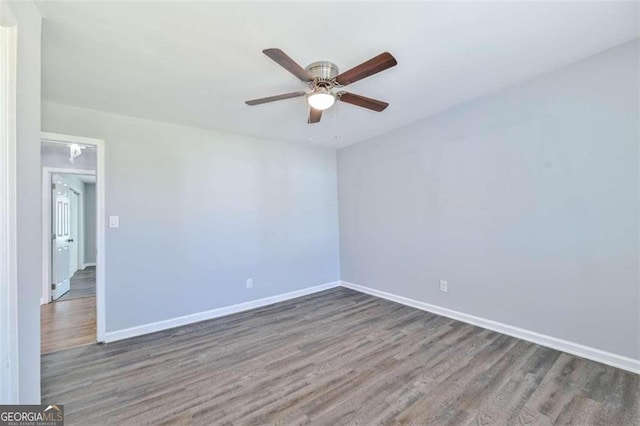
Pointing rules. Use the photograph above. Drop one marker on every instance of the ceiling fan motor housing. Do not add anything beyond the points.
(323, 71)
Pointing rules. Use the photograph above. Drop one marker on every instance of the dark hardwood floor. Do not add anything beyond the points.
(82, 284)
(336, 357)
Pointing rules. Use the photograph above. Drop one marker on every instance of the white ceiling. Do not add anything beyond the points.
(195, 63)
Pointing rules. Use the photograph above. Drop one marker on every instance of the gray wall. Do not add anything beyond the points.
(57, 155)
(28, 199)
(200, 212)
(89, 204)
(526, 201)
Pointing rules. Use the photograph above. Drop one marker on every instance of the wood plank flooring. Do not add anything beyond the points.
(82, 284)
(67, 324)
(332, 358)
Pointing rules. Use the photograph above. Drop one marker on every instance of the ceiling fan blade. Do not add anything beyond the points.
(362, 101)
(372, 66)
(314, 116)
(289, 64)
(275, 98)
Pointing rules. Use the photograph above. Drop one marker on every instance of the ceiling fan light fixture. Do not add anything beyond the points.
(321, 99)
(322, 76)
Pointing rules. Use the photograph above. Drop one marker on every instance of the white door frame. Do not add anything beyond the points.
(9, 359)
(47, 181)
(80, 219)
(100, 220)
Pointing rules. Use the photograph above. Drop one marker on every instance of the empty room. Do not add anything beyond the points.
(327, 213)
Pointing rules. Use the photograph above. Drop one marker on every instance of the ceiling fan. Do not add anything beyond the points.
(322, 77)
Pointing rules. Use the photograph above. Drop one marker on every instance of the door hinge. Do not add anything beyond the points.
(53, 186)
(53, 235)
(53, 286)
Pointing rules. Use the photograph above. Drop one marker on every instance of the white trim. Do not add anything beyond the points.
(78, 217)
(81, 214)
(126, 333)
(100, 219)
(67, 139)
(9, 348)
(101, 184)
(87, 264)
(47, 173)
(63, 170)
(577, 349)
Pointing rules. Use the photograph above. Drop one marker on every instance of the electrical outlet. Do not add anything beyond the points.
(444, 286)
(249, 282)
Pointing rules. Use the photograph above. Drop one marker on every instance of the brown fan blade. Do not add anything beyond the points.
(372, 66)
(289, 64)
(362, 101)
(275, 98)
(314, 116)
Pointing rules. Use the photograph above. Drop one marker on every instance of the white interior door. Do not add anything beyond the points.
(61, 226)
(74, 208)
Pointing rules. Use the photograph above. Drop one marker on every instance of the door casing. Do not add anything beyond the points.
(74, 231)
(9, 350)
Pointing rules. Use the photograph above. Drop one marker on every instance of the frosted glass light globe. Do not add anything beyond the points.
(321, 99)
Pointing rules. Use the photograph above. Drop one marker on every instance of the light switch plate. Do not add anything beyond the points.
(114, 221)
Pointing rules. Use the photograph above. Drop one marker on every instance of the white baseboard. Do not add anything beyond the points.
(86, 265)
(112, 336)
(577, 349)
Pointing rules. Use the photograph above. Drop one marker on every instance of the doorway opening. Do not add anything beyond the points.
(73, 241)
